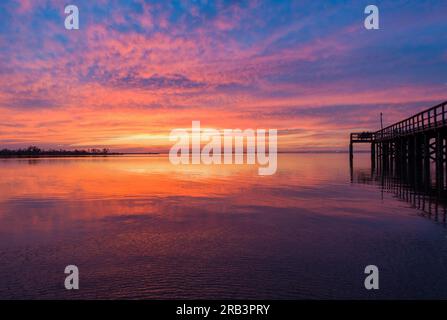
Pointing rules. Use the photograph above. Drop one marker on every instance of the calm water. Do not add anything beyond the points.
(138, 227)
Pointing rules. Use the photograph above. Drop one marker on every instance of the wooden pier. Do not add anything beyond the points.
(414, 148)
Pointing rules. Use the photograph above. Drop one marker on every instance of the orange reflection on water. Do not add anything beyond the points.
(133, 176)
(90, 188)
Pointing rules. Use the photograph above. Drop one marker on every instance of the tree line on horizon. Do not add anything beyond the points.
(35, 151)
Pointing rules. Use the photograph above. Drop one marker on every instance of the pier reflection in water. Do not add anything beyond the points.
(408, 186)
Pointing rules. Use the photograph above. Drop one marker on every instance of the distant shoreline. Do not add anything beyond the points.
(114, 154)
(35, 152)
(72, 155)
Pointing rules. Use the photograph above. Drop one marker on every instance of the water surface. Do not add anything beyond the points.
(140, 228)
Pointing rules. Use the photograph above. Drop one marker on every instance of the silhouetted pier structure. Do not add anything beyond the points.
(414, 148)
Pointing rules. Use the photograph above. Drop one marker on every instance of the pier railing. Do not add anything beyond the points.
(432, 118)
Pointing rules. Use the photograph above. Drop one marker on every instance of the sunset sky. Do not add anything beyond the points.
(138, 69)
